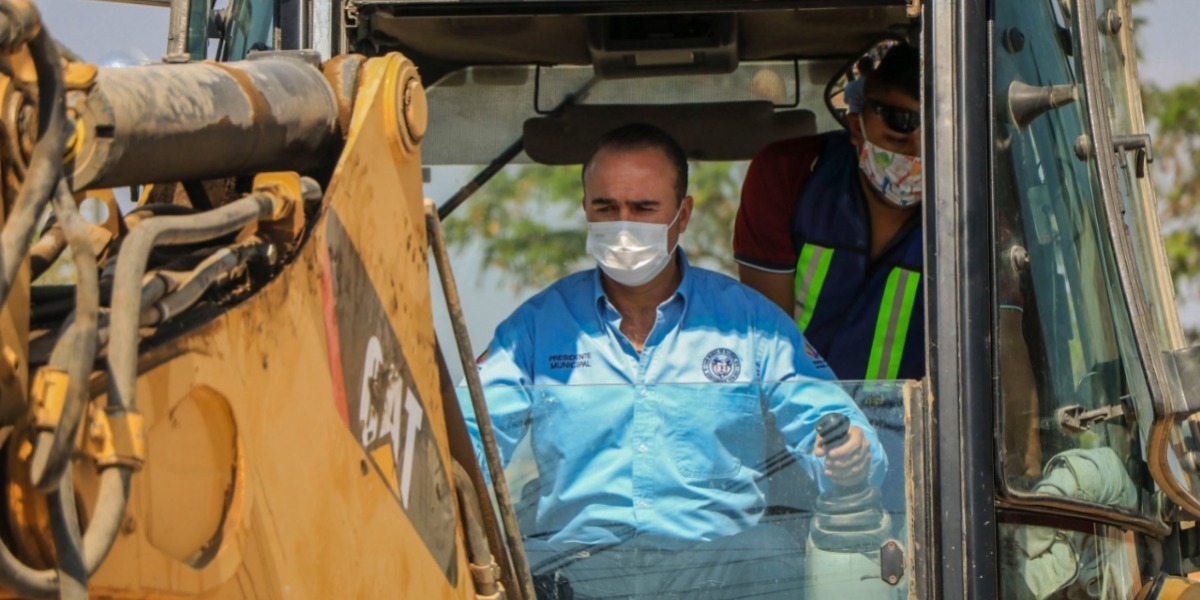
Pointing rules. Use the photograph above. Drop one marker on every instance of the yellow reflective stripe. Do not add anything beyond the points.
(891, 327)
(811, 269)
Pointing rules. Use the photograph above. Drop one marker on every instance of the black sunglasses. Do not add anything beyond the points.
(900, 120)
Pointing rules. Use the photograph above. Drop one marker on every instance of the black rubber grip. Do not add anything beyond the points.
(834, 429)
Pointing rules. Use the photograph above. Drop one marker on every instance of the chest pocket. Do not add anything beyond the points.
(713, 429)
(573, 424)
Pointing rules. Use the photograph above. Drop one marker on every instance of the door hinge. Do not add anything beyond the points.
(891, 562)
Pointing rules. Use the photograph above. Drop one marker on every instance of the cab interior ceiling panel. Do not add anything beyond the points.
(563, 39)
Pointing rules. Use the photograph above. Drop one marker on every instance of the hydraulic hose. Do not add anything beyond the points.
(129, 293)
(97, 540)
(193, 284)
(168, 293)
(45, 164)
(46, 250)
(55, 302)
(75, 352)
(75, 355)
(479, 554)
(68, 551)
(153, 290)
(131, 266)
(19, 23)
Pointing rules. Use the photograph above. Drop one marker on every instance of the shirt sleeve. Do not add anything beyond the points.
(762, 236)
(505, 374)
(800, 389)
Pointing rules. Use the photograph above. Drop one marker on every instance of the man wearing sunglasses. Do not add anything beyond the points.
(829, 229)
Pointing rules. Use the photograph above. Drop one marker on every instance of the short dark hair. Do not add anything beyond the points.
(637, 136)
(900, 69)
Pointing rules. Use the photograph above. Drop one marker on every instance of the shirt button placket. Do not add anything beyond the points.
(642, 487)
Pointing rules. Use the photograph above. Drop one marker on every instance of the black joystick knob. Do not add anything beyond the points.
(834, 429)
(847, 518)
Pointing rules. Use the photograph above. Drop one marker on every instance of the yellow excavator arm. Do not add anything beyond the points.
(240, 394)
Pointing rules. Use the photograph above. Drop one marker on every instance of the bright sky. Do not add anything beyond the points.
(1168, 41)
(98, 31)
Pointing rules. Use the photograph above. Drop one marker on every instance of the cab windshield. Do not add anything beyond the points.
(747, 516)
(506, 130)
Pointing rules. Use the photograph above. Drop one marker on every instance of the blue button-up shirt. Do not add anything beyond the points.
(669, 442)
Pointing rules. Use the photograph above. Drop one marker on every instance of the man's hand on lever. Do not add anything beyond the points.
(847, 455)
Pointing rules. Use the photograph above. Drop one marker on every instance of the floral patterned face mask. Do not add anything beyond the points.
(896, 176)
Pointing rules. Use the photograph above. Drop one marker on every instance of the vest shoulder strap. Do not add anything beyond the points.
(808, 153)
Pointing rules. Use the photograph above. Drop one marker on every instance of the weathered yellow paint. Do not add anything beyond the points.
(253, 484)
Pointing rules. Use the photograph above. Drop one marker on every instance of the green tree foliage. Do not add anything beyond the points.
(1174, 116)
(528, 221)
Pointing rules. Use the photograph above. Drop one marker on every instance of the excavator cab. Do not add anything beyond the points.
(250, 384)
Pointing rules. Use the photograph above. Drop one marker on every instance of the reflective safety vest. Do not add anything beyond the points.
(867, 319)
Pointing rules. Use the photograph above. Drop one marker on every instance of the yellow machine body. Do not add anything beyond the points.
(295, 444)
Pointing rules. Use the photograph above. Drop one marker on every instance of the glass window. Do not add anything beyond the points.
(1068, 560)
(1118, 73)
(1119, 63)
(197, 32)
(1069, 380)
(690, 489)
(250, 26)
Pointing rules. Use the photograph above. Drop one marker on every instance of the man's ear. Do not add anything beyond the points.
(854, 122)
(685, 213)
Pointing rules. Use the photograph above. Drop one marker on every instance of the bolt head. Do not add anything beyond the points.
(416, 109)
(1014, 40)
(1083, 147)
(1112, 22)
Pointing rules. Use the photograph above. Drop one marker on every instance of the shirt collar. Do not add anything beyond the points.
(682, 293)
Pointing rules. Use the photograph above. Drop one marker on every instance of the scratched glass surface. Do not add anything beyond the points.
(699, 491)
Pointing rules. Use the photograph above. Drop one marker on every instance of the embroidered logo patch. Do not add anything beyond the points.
(817, 361)
(721, 365)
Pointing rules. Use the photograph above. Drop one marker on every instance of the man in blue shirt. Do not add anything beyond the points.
(674, 456)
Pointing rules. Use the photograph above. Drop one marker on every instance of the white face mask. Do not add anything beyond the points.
(896, 176)
(629, 252)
